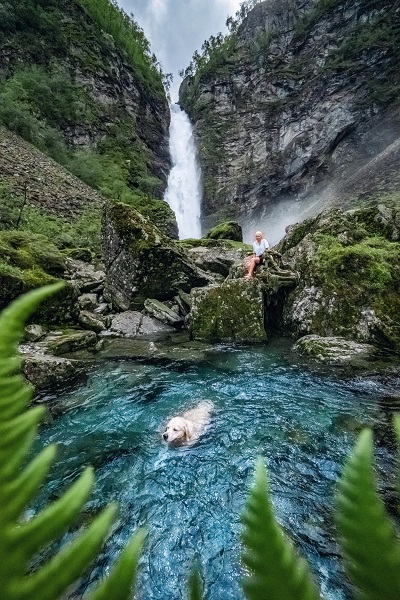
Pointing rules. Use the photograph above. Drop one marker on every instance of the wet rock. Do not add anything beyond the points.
(134, 324)
(161, 312)
(44, 370)
(71, 342)
(34, 332)
(334, 350)
(230, 312)
(89, 320)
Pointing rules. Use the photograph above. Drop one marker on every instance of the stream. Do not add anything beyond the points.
(303, 422)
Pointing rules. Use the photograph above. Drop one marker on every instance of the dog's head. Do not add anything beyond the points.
(178, 430)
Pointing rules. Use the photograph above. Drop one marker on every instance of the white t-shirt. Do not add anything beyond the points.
(259, 248)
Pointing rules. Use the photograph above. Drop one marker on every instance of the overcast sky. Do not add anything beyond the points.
(176, 28)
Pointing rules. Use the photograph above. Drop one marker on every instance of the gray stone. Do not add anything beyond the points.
(91, 321)
(162, 312)
(44, 370)
(141, 262)
(87, 301)
(33, 333)
(134, 324)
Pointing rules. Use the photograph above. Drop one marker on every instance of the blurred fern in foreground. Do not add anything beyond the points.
(274, 571)
(20, 540)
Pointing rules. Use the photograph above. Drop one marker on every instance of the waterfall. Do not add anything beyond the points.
(183, 192)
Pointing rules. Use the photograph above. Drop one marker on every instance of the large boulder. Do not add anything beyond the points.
(228, 230)
(349, 276)
(230, 312)
(335, 350)
(141, 262)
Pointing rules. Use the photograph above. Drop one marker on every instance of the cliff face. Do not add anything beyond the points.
(299, 110)
(117, 107)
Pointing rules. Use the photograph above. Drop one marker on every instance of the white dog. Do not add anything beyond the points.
(187, 428)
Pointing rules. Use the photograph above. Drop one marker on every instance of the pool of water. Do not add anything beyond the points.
(302, 422)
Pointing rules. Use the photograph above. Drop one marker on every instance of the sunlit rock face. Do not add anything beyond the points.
(299, 112)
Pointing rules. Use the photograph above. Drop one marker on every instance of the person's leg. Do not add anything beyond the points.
(253, 263)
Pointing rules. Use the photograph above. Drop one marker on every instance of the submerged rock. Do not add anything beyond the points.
(230, 312)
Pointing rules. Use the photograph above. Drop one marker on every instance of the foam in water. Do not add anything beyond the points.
(184, 182)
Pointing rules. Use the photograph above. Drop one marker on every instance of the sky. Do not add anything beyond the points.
(176, 28)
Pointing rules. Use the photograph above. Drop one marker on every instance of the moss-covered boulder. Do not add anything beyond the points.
(141, 262)
(29, 261)
(230, 312)
(349, 276)
(335, 350)
(159, 213)
(229, 230)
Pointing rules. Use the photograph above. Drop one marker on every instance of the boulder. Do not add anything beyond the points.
(229, 230)
(230, 312)
(87, 301)
(141, 262)
(91, 321)
(334, 350)
(71, 342)
(44, 370)
(349, 276)
(134, 324)
(34, 332)
(163, 313)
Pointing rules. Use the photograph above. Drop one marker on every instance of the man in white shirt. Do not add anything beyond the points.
(259, 247)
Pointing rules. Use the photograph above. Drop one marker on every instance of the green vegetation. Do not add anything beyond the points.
(274, 570)
(228, 230)
(46, 95)
(21, 540)
(83, 231)
(371, 260)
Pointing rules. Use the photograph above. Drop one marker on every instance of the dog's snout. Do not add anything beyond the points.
(165, 435)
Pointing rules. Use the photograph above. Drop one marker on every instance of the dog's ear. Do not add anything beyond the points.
(188, 429)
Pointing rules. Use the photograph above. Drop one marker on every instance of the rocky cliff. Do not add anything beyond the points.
(297, 109)
(78, 75)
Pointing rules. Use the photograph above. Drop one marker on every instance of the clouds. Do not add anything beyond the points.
(176, 28)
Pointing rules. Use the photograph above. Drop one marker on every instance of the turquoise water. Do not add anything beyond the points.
(303, 423)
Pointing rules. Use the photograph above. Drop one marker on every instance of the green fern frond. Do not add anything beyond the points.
(276, 572)
(195, 584)
(368, 536)
(20, 540)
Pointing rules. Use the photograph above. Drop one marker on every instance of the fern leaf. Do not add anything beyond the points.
(368, 535)
(195, 584)
(61, 571)
(19, 541)
(276, 572)
(119, 584)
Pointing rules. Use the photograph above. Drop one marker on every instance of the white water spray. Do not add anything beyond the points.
(183, 192)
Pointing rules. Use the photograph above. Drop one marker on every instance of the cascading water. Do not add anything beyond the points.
(184, 182)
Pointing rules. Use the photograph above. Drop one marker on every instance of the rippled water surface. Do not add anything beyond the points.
(190, 498)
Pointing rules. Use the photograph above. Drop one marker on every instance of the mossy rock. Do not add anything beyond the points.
(229, 230)
(211, 243)
(141, 262)
(26, 250)
(230, 312)
(159, 213)
(349, 284)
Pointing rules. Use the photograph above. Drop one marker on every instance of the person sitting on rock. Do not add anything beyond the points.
(259, 247)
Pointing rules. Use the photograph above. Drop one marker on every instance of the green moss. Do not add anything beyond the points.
(232, 312)
(158, 212)
(229, 230)
(196, 243)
